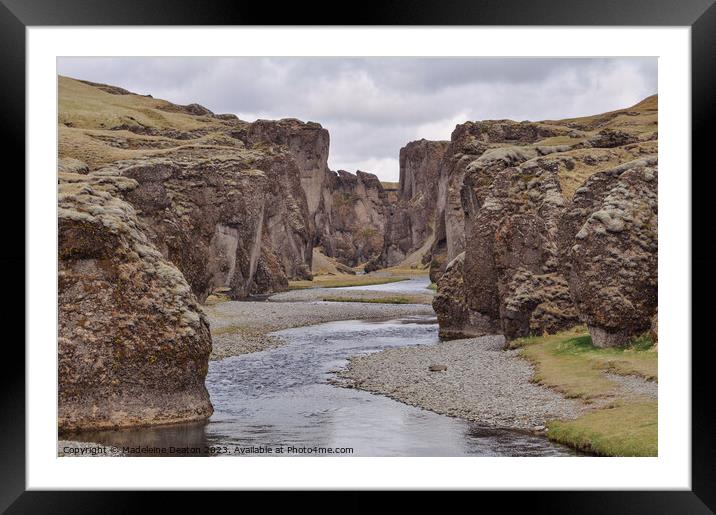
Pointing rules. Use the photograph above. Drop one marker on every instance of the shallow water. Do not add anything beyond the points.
(413, 285)
(279, 399)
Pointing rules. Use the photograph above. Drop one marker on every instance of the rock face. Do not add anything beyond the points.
(206, 218)
(224, 200)
(223, 220)
(410, 227)
(468, 142)
(558, 224)
(511, 264)
(613, 278)
(159, 205)
(449, 302)
(306, 142)
(133, 343)
(352, 217)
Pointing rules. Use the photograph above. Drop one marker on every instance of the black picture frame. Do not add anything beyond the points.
(700, 15)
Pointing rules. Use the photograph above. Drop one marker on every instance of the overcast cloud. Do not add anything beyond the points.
(374, 106)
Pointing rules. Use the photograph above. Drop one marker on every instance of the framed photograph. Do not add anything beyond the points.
(423, 248)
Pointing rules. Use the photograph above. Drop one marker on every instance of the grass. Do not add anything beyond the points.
(216, 298)
(570, 364)
(393, 299)
(89, 119)
(627, 430)
(229, 329)
(432, 286)
(332, 281)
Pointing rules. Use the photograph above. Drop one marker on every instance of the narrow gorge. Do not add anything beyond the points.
(216, 269)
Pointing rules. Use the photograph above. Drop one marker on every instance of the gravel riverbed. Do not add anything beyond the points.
(318, 294)
(243, 327)
(482, 383)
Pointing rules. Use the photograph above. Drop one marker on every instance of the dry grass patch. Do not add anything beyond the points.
(393, 299)
(332, 281)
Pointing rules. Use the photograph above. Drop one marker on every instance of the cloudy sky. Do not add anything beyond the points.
(374, 106)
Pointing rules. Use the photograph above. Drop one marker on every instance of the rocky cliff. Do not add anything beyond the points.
(613, 276)
(159, 205)
(307, 143)
(225, 200)
(410, 224)
(133, 343)
(468, 142)
(352, 217)
(552, 226)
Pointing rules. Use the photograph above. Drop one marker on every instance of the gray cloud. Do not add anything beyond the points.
(373, 106)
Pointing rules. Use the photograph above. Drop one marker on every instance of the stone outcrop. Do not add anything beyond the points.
(449, 302)
(557, 218)
(224, 200)
(133, 343)
(225, 219)
(352, 218)
(468, 142)
(511, 271)
(159, 205)
(614, 271)
(410, 225)
(306, 142)
(206, 217)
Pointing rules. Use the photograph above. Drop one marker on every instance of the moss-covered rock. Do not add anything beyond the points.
(133, 343)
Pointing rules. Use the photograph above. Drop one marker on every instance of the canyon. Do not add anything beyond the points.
(527, 228)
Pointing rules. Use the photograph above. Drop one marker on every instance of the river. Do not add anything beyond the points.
(279, 402)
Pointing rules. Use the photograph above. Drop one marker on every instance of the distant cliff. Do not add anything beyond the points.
(410, 225)
(352, 217)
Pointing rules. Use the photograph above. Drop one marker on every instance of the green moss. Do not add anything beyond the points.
(395, 299)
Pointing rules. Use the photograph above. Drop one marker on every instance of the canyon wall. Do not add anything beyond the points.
(527, 228)
(230, 203)
(160, 205)
(352, 217)
(556, 226)
(410, 224)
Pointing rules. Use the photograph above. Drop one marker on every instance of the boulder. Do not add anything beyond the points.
(133, 343)
(613, 278)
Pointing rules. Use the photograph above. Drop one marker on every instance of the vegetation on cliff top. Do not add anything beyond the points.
(99, 125)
